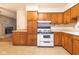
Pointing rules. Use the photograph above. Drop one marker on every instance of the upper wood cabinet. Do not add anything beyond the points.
(67, 17)
(54, 18)
(75, 11)
(60, 18)
(57, 18)
(44, 16)
(32, 15)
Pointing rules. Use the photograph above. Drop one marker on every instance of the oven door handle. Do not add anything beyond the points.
(46, 41)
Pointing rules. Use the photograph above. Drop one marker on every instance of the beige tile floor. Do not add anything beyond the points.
(6, 48)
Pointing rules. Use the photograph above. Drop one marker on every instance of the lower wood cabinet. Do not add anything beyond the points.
(70, 43)
(67, 42)
(19, 38)
(76, 46)
(32, 40)
(23, 38)
(57, 38)
(62, 39)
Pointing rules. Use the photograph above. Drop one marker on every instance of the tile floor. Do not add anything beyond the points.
(6, 48)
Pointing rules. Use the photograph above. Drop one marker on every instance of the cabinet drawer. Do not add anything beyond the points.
(46, 43)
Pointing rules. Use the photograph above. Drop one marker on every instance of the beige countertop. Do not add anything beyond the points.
(70, 30)
(19, 31)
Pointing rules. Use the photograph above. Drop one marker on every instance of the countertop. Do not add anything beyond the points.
(70, 30)
(19, 31)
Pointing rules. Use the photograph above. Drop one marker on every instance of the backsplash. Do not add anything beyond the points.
(66, 25)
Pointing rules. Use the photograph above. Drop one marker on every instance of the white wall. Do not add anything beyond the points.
(21, 20)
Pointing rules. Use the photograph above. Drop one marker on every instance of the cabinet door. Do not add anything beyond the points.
(59, 18)
(32, 39)
(15, 38)
(66, 43)
(75, 11)
(57, 38)
(32, 15)
(67, 16)
(70, 45)
(54, 18)
(32, 27)
(75, 47)
(63, 40)
(44, 16)
(19, 38)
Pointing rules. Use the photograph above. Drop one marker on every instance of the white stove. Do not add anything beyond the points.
(45, 36)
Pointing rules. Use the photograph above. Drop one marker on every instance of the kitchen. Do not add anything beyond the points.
(48, 28)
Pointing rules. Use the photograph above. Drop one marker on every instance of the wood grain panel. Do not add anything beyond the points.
(19, 38)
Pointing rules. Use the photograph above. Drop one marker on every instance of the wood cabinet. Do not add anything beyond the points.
(70, 16)
(75, 11)
(67, 17)
(57, 38)
(57, 18)
(32, 40)
(70, 43)
(32, 27)
(54, 18)
(67, 42)
(32, 15)
(19, 38)
(60, 18)
(76, 45)
(44, 16)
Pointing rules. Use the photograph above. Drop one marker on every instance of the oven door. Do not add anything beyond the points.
(47, 37)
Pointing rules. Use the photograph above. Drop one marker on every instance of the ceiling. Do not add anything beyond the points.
(16, 6)
(12, 6)
(49, 5)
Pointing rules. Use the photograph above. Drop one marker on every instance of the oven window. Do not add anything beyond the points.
(46, 36)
